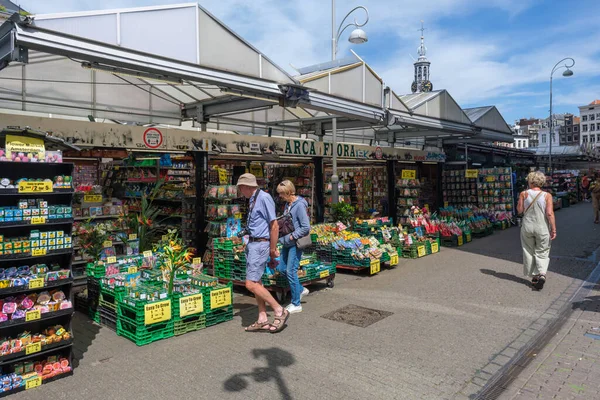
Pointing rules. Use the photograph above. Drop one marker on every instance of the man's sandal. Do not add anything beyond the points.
(279, 322)
(259, 327)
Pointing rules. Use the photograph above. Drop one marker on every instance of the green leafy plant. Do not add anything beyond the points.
(92, 238)
(342, 212)
(143, 223)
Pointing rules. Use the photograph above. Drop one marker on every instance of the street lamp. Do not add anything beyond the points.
(358, 36)
(566, 73)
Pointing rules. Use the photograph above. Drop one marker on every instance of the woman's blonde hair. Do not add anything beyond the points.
(536, 179)
(286, 188)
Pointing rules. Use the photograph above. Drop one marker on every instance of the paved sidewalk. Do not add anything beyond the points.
(569, 366)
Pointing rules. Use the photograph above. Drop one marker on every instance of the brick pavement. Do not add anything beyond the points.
(568, 367)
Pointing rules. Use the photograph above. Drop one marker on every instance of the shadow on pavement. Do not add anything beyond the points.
(84, 333)
(276, 359)
(505, 276)
(591, 303)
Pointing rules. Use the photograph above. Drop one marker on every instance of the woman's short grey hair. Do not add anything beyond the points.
(536, 179)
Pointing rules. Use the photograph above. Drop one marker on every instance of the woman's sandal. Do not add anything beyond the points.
(259, 327)
(534, 280)
(279, 322)
(539, 285)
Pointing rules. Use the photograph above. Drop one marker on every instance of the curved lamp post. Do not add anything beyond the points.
(566, 73)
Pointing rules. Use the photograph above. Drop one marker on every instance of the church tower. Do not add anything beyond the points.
(421, 82)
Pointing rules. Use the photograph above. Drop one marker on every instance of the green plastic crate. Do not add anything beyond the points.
(142, 335)
(189, 324)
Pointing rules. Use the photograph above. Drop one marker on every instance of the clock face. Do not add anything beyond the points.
(426, 86)
(413, 87)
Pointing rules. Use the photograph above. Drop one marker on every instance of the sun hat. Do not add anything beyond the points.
(247, 180)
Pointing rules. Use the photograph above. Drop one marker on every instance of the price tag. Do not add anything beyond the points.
(190, 305)
(33, 348)
(32, 383)
(38, 220)
(471, 173)
(375, 266)
(445, 204)
(324, 274)
(92, 198)
(409, 174)
(256, 170)
(148, 254)
(36, 283)
(38, 252)
(157, 312)
(33, 315)
(35, 187)
(196, 260)
(237, 215)
(460, 240)
(304, 262)
(490, 178)
(468, 235)
(132, 236)
(393, 259)
(223, 178)
(435, 247)
(107, 243)
(132, 270)
(111, 260)
(421, 251)
(220, 298)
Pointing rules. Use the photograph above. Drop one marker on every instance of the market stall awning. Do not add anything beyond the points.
(573, 152)
(491, 122)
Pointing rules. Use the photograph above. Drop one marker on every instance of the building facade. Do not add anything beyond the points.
(568, 134)
(590, 123)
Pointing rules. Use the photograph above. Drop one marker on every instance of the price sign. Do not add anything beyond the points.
(107, 243)
(445, 204)
(32, 383)
(196, 260)
(148, 254)
(375, 266)
(393, 259)
(132, 270)
(237, 215)
(435, 248)
(409, 174)
(256, 170)
(460, 240)
(421, 251)
(33, 348)
(33, 315)
(304, 262)
(324, 274)
(157, 312)
(38, 220)
(111, 260)
(35, 187)
(220, 298)
(471, 173)
(37, 252)
(132, 236)
(92, 198)
(190, 305)
(36, 283)
(223, 178)
(468, 235)
(490, 178)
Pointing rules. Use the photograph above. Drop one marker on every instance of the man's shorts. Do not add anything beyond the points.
(257, 255)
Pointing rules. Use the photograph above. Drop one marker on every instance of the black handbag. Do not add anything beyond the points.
(286, 224)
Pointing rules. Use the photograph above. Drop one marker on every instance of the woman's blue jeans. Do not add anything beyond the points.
(288, 265)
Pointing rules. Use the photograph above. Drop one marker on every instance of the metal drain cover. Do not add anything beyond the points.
(357, 316)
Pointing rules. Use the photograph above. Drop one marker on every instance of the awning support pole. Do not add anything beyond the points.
(335, 193)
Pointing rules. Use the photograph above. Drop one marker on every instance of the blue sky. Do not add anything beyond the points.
(484, 52)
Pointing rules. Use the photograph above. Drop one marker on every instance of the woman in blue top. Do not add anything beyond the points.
(291, 254)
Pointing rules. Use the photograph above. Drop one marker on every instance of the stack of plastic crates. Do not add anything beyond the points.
(131, 323)
(218, 314)
(410, 251)
(107, 305)
(223, 257)
(187, 323)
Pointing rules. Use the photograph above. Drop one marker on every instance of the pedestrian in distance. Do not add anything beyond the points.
(538, 229)
(289, 263)
(595, 189)
(585, 187)
(263, 232)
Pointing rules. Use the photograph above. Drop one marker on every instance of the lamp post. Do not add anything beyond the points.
(358, 36)
(566, 73)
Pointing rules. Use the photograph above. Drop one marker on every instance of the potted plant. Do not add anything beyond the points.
(174, 255)
(342, 212)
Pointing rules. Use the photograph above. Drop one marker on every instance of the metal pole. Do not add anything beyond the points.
(335, 193)
(333, 38)
(550, 150)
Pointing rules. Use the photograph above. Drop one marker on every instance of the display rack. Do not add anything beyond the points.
(495, 189)
(301, 175)
(457, 189)
(35, 261)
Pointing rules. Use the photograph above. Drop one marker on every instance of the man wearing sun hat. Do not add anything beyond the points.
(263, 235)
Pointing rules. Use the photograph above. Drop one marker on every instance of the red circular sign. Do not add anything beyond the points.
(378, 153)
(153, 138)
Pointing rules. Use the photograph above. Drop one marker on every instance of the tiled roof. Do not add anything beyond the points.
(595, 103)
(576, 120)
